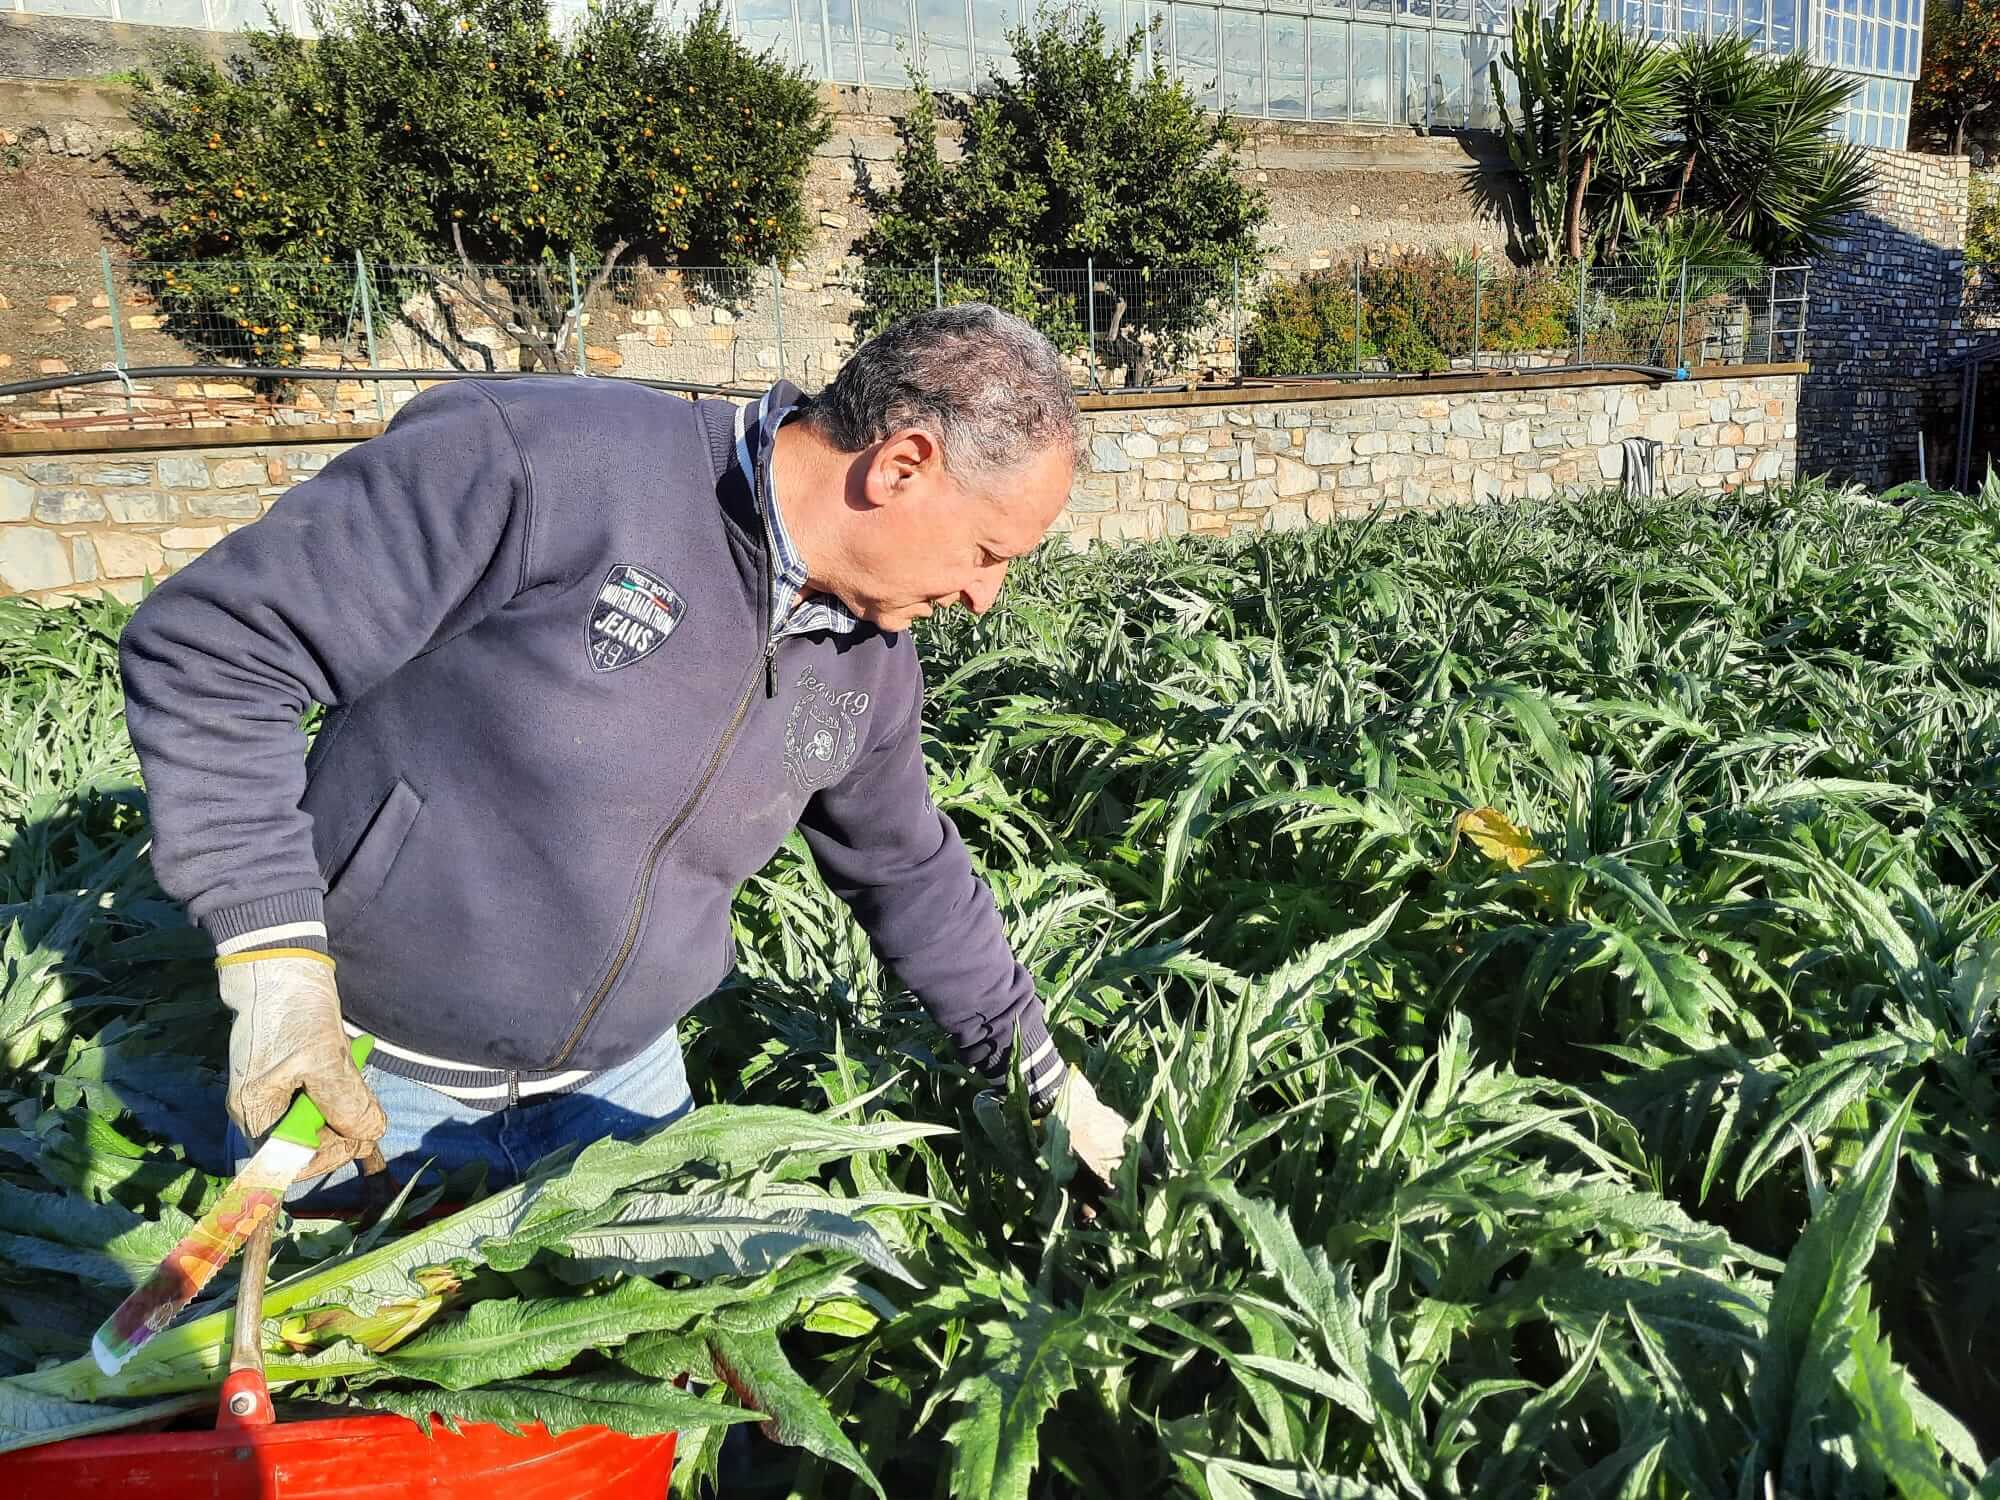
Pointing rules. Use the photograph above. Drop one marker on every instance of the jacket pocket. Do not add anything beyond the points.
(361, 878)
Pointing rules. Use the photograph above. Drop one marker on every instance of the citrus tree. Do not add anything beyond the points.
(1960, 80)
(469, 135)
(1086, 157)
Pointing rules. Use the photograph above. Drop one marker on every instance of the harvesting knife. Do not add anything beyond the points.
(250, 1201)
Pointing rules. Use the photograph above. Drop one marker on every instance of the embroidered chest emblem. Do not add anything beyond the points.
(634, 611)
(822, 733)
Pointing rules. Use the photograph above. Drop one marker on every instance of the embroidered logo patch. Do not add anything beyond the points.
(633, 613)
(821, 734)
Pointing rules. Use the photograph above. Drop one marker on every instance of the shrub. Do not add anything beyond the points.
(462, 131)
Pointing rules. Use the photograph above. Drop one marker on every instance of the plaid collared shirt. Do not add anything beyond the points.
(793, 612)
(795, 615)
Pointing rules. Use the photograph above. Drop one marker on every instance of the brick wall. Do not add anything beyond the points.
(1885, 321)
(79, 522)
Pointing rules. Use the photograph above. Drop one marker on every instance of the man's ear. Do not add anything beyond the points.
(900, 463)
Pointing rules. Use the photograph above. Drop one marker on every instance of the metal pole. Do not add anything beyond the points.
(1805, 305)
(1771, 317)
(1477, 268)
(937, 280)
(1090, 305)
(778, 306)
(117, 322)
(1236, 316)
(1357, 312)
(576, 315)
(368, 327)
(1582, 282)
(1681, 331)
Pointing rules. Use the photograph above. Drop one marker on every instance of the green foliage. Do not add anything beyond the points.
(1419, 313)
(467, 132)
(1547, 950)
(1618, 134)
(1593, 98)
(1982, 225)
(1083, 155)
(1959, 83)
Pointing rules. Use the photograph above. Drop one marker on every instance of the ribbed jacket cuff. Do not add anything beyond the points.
(293, 910)
(1041, 1065)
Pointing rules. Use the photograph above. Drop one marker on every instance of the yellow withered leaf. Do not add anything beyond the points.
(1497, 838)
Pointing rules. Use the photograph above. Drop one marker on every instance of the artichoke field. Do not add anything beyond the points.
(1550, 951)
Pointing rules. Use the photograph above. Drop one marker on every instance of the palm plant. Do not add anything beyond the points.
(1592, 98)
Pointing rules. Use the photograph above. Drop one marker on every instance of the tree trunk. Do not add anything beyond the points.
(1680, 188)
(1573, 227)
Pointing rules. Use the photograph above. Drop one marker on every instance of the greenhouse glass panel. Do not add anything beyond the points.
(885, 41)
(1329, 70)
(947, 43)
(1287, 35)
(1454, 12)
(1482, 111)
(1368, 73)
(1448, 81)
(1721, 17)
(991, 21)
(1415, 12)
(1243, 62)
(1753, 21)
(768, 24)
(1412, 76)
(1382, 8)
(1194, 51)
(1489, 15)
(1784, 26)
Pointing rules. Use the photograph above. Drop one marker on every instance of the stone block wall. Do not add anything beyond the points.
(1885, 320)
(1155, 472)
(75, 523)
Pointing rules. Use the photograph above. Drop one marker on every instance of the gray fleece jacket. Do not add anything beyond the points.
(561, 733)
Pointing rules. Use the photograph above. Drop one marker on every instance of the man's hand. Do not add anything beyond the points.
(1097, 1132)
(287, 1037)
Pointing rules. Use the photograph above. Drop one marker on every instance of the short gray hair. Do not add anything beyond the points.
(992, 390)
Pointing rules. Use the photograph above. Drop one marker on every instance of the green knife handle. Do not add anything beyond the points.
(302, 1122)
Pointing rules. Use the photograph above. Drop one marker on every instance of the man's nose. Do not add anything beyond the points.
(984, 589)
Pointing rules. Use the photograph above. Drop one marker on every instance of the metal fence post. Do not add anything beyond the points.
(1090, 313)
(1771, 317)
(368, 327)
(1357, 312)
(117, 323)
(1582, 283)
(1681, 329)
(1477, 268)
(937, 281)
(1236, 316)
(1805, 307)
(778, 308)
(576, 314)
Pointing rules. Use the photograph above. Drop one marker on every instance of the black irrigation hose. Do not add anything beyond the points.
(696, 388)
(289, 372)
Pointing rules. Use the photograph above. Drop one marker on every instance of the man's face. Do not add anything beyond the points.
(923, 539)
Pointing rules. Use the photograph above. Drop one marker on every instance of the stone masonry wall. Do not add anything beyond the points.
(1884, 322)
(1233, 469)
(77, 523)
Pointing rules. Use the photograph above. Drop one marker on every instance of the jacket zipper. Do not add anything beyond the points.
(637, 920)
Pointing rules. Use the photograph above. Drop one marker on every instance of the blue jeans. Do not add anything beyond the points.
(427, 1126)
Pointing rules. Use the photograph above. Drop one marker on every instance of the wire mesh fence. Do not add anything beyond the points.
(291, 342)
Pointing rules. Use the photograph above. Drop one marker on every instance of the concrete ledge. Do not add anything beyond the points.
(29, 444)
(1469, 383)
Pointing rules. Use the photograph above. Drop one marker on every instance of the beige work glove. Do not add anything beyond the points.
(1097, 1132)
(287, 1037)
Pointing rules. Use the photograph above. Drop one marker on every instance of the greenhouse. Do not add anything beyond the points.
(1422, 63)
